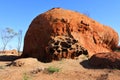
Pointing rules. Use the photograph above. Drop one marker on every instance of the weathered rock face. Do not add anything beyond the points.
(91, 35)
(64, 47)
(105, 60)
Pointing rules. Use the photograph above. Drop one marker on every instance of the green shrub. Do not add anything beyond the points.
(52, 69)
(2, 67)
(25, 77)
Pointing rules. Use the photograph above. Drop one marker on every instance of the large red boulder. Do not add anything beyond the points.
(89, 34)
(105, 60)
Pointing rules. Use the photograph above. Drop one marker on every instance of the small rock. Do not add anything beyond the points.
(37, 70)
(24, 62)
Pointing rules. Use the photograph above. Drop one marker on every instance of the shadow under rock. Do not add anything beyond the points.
(86, 64)
(8, 57)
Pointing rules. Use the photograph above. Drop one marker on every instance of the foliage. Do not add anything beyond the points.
(2, 67)
(117, 50)
(25, 77)
(52, 69)
(19, 40)
(6, 35)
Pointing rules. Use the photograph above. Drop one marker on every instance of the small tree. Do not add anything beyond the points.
(19, 40)
(6, 35)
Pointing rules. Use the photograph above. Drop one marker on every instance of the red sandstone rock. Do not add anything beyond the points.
(90, 34)
(105, 60)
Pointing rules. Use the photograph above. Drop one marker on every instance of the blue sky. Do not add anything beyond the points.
(18, 14)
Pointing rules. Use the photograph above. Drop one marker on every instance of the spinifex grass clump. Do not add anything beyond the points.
(26, 77)
(52, 69)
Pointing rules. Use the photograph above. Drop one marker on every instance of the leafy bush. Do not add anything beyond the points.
(2, 67)
(25, 77)
(52, 69)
